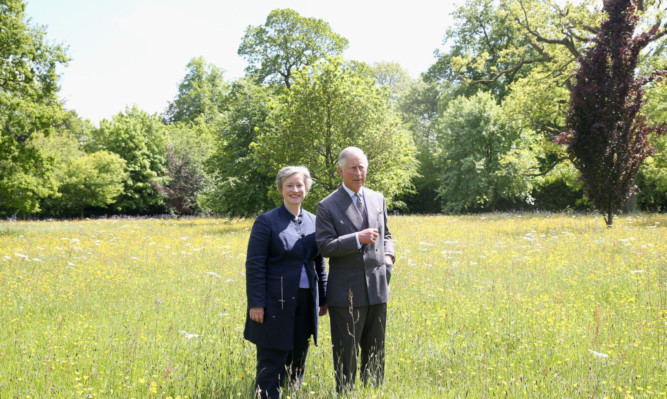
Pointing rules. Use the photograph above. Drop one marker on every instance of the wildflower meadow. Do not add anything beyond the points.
(482, 306)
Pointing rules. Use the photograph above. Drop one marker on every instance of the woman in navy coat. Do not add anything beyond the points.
(285, 284)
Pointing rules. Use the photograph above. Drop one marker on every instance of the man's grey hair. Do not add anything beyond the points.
(288, 171)
(342, 157)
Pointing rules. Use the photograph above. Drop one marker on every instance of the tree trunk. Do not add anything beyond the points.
(610, 218)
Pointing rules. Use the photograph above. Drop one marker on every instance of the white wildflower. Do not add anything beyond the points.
(598, 354)
(188, 335)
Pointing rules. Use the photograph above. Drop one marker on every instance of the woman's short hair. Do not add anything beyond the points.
(342, 157)
(288, 171)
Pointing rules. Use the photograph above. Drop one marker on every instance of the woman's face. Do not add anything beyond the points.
(294, 189)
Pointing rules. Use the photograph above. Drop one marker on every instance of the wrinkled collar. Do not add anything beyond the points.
(352, 193)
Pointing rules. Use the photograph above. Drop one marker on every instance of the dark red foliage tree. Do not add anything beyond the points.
(184, 182)
(607, 133)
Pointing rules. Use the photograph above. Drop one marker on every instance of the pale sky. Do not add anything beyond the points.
(134, 52)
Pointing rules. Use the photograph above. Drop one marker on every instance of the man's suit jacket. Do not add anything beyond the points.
(277, 249)
(356, 276)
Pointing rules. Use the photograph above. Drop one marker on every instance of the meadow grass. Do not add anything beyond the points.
(499, 305)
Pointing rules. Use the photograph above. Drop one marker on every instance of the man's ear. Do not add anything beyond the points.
(340, 171)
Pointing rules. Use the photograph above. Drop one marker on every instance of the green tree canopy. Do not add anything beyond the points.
(240, 181)
(333, 105)
(28, 104)
(93, 180)
(394, 77)
(83, 180)
(419, 109)
(483, 160)
(286, 42)
(201, 93)
(139, 139)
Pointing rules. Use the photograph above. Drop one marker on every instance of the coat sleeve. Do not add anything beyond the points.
(255, 265)
(328, 242)
(388, 243)
(321, 269)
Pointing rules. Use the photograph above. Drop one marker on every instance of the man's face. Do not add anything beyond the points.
(354, 172)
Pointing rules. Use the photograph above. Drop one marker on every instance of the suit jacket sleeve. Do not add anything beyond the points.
(328, 241)
(321, 269)
(388, 243)
(255, 265)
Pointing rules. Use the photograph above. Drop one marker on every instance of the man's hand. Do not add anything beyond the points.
(388, 260)
(323, 310)
(257, 314)
(368, 236)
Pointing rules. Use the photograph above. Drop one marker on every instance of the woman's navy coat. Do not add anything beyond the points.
(278, 247)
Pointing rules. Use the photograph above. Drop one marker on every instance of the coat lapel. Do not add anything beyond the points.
(373, 209)
(350, 210)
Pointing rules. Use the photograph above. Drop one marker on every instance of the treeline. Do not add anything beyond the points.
(474, 133)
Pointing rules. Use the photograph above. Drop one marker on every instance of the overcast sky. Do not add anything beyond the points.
(134, 52)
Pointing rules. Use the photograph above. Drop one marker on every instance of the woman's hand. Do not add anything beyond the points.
(323, 310)
(257, 314)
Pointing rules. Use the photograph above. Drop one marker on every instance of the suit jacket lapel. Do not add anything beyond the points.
(372, 209)
(348, 207)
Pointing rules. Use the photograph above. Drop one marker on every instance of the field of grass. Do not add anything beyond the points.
(520, 305)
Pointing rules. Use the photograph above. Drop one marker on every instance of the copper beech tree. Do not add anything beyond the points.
(607, 136)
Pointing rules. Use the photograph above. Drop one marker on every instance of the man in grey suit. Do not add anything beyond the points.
(351, 230)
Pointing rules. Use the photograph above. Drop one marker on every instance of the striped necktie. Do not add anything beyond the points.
(360, 203)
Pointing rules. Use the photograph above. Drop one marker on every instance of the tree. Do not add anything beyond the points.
(286, 42)
(91, 180)
(525, 52)
(418, 108)
(28, 104)
(139, 139)
(201, 93)
(82, 180)
(394, 77)
(240, 183)
(333, 105)
(483, 159)
(187, 180)
(652, 177)
(524, 49)
(608, 134)
(183, 183)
